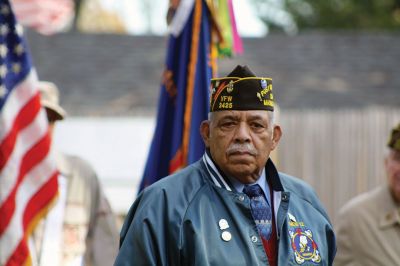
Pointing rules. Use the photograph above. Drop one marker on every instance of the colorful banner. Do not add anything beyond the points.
(184, 98)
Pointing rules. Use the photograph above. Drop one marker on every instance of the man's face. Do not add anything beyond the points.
(392, 165)
(240, 142)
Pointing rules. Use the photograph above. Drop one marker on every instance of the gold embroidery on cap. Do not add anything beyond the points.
(229, 89)
(268, 103)
(259, 96)
(225, 102)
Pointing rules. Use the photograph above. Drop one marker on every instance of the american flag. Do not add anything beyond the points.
(28, 175)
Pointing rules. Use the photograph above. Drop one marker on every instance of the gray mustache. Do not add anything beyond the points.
(246, 147)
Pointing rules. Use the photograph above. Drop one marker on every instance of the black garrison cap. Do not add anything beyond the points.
(241, 90)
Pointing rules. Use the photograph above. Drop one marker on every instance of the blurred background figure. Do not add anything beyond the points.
(368, 227)
(81, 228)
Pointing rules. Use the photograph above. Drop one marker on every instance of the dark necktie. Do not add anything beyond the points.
(260, 210)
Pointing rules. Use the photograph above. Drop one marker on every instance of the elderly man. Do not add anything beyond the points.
(369, 225)
(231, 207)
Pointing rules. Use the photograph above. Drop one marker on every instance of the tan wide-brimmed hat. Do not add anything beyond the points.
(50, 98)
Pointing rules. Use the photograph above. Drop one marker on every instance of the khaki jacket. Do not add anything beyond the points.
(89, 227)
(368, 230)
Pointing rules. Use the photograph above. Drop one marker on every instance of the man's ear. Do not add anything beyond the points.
(205, 132)
(276, 136)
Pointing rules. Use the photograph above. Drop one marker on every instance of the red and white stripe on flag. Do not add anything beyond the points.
(28, 175)
(45, 16)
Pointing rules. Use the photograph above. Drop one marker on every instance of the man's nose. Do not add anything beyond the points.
(242, 133)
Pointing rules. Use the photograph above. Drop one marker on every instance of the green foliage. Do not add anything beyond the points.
(345, 14)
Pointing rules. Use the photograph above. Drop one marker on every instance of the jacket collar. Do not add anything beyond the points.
(390, 214)
(220, 180)
(216, 175)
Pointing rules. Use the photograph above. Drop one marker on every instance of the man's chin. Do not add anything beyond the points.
(246, 178)
(243, 173)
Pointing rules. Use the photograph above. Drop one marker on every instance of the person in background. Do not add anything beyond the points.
(232, 207)
(368, 226)
(81, 228)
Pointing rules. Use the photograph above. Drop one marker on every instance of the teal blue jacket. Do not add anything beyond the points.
(195, 217)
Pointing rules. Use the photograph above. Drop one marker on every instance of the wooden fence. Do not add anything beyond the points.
(339, 153)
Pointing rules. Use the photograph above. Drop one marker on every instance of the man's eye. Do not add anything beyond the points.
(228, 124)
(257, 125)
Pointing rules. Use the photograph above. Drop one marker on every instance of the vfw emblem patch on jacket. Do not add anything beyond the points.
(303, 244)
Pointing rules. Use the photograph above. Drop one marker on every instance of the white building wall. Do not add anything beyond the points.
(117, 148)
